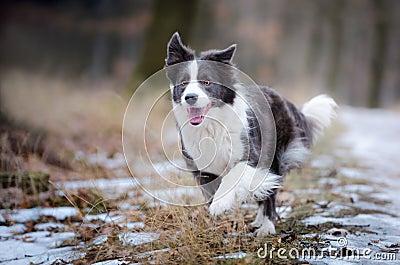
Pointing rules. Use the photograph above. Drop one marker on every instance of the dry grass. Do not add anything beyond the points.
(60, 117)
(190, 236)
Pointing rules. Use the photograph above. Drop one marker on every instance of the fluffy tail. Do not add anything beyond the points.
(319, 112)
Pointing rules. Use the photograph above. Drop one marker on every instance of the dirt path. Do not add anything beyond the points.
(371, 138)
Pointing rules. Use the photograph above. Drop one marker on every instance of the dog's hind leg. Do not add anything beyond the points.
(258, 221)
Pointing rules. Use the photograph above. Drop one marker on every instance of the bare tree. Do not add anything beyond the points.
(336, 25)
(378, 52)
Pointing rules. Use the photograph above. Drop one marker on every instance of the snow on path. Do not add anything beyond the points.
(373, 136)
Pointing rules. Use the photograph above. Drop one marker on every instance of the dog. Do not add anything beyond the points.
(221, 122)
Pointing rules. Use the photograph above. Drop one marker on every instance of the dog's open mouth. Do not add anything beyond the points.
(196, 115)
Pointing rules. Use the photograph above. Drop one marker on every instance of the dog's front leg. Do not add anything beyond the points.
(242, 181)
(233, 189)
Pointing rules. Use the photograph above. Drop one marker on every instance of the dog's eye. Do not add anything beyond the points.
(184, 83)
(206, 83)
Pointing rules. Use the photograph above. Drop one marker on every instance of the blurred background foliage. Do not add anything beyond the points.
(348, 48)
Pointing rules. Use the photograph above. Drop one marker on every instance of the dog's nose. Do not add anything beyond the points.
(191, 98)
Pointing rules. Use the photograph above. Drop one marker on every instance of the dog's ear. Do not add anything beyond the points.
(223, 56)
(177, 52)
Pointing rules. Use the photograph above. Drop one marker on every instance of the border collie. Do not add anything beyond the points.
(238, 140)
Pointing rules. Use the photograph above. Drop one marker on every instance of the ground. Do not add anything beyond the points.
(343, 205)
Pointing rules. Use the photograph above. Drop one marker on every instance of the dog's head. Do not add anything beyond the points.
(200, 83)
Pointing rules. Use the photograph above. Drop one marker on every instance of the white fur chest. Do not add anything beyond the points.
(216, 144)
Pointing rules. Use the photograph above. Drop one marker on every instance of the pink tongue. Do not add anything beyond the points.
(196, 115)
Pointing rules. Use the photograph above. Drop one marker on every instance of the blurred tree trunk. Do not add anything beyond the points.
(335, 21)
(100, 58)
(378, 52)
(316, 37)
(168, 17)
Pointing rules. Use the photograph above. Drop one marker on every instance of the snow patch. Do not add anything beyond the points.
(48, 226)
(7, 231)
(112, 262)
(33, 214)
(238, 255)
(137, 238)
(60, 213)
(100, 240)
(104, 217)
(133, 225)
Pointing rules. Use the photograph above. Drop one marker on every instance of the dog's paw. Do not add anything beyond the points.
(267, 228)
(225, 203)
(257, 222)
